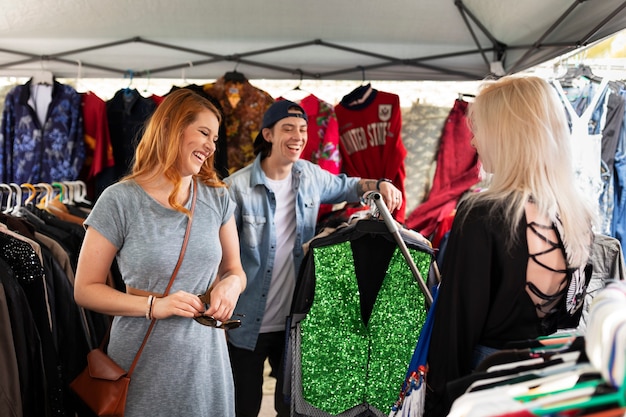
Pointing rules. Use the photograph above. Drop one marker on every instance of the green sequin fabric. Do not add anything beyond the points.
(345, 363)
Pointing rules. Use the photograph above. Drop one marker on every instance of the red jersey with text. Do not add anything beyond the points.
(370, 124)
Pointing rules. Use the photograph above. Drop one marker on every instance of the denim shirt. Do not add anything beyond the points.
(256, 205)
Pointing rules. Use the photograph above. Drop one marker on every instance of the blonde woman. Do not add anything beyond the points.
(515, 266)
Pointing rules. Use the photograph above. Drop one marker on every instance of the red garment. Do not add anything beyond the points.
(98, 149)
(97, 138)
(322, 145)
(443, 227)
(370, 124)
(157, 99)
(457, 171)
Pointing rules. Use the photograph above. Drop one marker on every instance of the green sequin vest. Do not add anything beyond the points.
(344, 362)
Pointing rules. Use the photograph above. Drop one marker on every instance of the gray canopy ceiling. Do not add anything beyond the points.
(291, 39)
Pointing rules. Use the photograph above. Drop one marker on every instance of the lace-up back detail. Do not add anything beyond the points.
(547, 276)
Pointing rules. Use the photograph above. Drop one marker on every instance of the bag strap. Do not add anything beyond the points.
(167, 290)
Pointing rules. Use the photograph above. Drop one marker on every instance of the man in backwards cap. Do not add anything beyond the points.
(278, 197)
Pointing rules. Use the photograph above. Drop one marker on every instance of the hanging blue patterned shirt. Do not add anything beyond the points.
(32, 152)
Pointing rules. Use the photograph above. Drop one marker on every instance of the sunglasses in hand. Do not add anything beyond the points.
(211, 321)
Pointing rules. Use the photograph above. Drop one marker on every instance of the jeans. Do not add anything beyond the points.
(481, 353)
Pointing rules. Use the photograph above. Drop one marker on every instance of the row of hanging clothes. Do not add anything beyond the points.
(52, 132)
(560, 375)
(45, 335)
(596, 110)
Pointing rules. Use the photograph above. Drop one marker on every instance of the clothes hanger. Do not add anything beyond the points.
(18, 198)
(43, 77)
(580, 398)
(70, 191)
(64, 195)
(9, 201)
(362, 68)
(32, 192)
(359, 94)
(130, 74)
(79, 75)
(297, 93)
(53, 201)
(19, 209)
(45, 196)
(586, 72)
(235, 76)
(183, 74)
(576, 73)
(79, 191)
(82, 196)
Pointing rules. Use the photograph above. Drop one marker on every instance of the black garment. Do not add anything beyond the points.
(27, 347)
(248, 374)
(69, 332)
(127, 113)
(72, 233)
(29, 273)
(372, 245)
(482, 298)
(221, 153)
(612, 127)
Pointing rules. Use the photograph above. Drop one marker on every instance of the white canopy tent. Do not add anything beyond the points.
(280, 39)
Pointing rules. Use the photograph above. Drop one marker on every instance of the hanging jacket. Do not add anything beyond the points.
(32, 152)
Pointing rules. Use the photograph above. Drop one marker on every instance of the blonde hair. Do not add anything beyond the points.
(160, 145)
(521, 131)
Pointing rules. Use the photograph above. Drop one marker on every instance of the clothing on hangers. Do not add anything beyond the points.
(42, 152)
(43, 78)
(457, 170)
(235, 76)
(586, 138)
(361, 347)
(127, 112)
(242, 119)
(99, 162)
(34, 281)
(371, 138)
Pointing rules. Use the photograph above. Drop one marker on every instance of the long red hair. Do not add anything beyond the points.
(159, 148)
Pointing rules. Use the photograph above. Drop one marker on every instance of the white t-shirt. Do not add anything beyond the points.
(283, 283)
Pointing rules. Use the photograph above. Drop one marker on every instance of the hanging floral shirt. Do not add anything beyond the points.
(35, 152)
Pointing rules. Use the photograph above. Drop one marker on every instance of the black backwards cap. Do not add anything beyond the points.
(276, 112)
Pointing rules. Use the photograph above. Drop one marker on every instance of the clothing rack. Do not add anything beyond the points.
(395, 231)
(37, 286)
(13, 195)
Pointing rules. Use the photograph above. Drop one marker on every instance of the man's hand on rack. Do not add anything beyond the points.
(391, 195)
